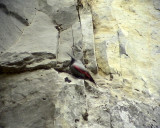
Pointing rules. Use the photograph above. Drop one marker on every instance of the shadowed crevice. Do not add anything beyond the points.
(26, 62)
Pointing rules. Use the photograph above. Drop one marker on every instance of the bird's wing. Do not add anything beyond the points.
(80, 65)
(86, 73)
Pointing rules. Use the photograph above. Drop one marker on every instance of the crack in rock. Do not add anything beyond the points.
(122, 43)
(26, 62)
(13, 14)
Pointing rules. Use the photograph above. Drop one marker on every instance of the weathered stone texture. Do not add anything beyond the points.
(88, 40)
(37, 46)
(117, 39)
(15, 16)
(130, 30)
(44, 98)
(33, 102)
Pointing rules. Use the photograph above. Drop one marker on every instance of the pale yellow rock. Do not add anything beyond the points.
(139, 23)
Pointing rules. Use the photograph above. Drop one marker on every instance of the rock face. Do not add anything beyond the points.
(118, 41)
(131, 32)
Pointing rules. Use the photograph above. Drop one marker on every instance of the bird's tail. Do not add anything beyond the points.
(92, 80)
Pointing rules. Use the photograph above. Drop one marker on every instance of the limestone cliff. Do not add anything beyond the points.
(117, 40)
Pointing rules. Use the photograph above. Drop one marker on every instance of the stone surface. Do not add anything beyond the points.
(88, 40)
(37, 44)
(65, 45)
(45, 98)
(101, 53)
(15, 16)
(7, 38)
(23, 11)
(129, 29)
(38, 105)
(118, 40)
(40, 36)
(156, 4)
(62, 12)
(77, 40)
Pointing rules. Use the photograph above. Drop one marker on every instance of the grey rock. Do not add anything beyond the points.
(40, 36)
(10, 31)
(23, 11)
(26, 62)
(44, 99)
(77, 40)
(42, 104)
(122, 42)
(134, 115)
(156, 4)
(62, 12)
(65, 45)
(88, 41)
(37, 47)
(155, 32)
(15, 15)
(41, 97)
(156, 49)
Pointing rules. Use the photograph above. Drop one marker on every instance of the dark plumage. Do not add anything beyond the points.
(78, 69)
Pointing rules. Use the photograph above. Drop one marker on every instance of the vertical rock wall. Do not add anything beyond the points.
(117, 40)
(130, 30)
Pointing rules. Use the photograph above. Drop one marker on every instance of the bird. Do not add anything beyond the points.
(79, 70)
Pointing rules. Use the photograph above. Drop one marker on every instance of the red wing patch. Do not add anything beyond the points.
(82, 71)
